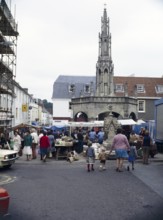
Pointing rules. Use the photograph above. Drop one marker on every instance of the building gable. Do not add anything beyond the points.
(66, 87)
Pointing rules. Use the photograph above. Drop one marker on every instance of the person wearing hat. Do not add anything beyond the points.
(90, 157)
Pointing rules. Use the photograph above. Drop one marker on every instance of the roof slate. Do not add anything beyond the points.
(62, 83)
(149, 83)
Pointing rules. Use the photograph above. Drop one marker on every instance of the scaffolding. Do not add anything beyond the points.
(8, 49)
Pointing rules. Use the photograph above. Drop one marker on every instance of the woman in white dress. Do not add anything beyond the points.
(28, 145)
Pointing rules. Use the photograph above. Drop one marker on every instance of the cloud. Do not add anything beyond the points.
(61, 37)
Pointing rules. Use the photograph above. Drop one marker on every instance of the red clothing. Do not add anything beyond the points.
(44, 142)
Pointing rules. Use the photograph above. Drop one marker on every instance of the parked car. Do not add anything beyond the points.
(7, 157)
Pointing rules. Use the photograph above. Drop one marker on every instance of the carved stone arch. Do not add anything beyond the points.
(133, 116)
(81, 116)
(103, 115)
(100, 75)
(106, 71)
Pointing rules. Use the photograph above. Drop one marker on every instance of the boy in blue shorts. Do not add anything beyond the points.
(132, 156)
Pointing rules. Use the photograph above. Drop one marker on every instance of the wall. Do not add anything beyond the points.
(61, 108)
(21, 99)
(93, 106)
(149, 110)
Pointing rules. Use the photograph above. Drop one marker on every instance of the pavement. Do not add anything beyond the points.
(151, 174)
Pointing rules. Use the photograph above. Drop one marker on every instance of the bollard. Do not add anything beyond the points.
(4, 202)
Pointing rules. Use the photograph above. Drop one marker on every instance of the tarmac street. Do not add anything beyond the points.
(61, 190)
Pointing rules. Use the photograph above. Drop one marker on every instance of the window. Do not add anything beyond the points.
(159, 88)
(72, 88)
(87, 88)
(119, 88)
(140, 88)
(141, 106)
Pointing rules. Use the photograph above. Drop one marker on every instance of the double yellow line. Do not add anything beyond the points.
(6, 179)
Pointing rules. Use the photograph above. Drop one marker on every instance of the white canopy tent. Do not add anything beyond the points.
(86, 124)
(100, 123)
(126, 122)
(140, 121)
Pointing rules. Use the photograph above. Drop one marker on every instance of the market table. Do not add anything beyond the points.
(62, 148)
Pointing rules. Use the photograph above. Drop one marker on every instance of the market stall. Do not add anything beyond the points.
(63, 146)
(23, 126)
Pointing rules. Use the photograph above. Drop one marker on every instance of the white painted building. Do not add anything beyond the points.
(64, 89)
(47, 118)
(5, 110)
(27, 110)
(34, 112)
(61, 109)
(20, 105)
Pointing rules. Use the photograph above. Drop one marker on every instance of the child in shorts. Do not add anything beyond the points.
(90, 157)
(102, 158)
(132, 156)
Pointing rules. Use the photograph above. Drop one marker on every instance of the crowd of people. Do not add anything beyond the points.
(32, 143)
(125, 146)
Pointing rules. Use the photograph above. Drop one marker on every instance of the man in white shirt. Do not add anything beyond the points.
(34, 143)
(17, 141)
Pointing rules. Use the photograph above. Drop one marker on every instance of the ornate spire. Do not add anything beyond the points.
(104, 67)
(104, 37)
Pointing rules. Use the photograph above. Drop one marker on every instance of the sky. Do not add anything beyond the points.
(61, 38)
